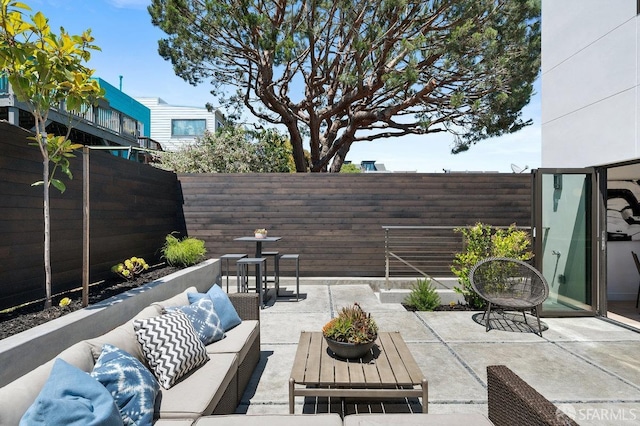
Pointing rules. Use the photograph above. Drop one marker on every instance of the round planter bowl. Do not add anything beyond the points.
(260, 235)
(349, 350)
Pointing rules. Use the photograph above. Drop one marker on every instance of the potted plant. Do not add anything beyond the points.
(260, 233)
(352, 333)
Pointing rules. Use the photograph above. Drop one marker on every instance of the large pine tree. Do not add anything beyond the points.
(340, 72)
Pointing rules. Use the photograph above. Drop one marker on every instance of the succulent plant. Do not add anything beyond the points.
(130, 268)
(352, 325)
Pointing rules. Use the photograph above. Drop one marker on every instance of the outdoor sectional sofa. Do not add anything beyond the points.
(214, 388)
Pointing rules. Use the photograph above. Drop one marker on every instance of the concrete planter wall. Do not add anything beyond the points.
(25, 351)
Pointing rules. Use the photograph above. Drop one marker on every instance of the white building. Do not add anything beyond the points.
(175, 126)
(590, 120)
(590, 74)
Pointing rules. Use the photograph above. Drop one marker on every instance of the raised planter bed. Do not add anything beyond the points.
(29, 349)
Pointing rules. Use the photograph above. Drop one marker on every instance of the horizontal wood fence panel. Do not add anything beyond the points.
(133, 207)
(334, 221)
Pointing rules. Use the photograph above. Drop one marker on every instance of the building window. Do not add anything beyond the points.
(368, 166)
(188, 127)
(129, 126)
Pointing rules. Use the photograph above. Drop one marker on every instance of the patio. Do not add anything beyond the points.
(586, 366)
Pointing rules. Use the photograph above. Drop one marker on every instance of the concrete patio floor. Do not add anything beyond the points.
(588, 367)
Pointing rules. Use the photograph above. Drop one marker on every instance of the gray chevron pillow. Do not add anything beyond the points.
(170, 345)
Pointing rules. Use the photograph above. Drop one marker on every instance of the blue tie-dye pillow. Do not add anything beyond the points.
(204, 319)
(132, 385)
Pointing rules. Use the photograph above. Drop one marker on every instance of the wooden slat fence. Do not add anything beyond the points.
(334, 221)
(133, 207)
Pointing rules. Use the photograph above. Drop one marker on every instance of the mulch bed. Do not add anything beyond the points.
(26, 317)
(456, 307)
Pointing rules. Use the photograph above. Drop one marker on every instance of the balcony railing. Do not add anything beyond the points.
(108, 119)
(149, 143)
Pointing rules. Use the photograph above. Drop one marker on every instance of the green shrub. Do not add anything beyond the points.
(350, 168)
(423, 296)
(482, 241)
(185, 252)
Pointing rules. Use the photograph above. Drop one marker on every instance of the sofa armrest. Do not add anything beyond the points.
(513, 402)
(247, 305)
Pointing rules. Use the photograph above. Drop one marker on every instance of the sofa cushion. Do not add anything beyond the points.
(179, 299)
(223, 306)
(72, 397)
(132, 386)
(204, 319)
(171, 346)
(417, 419)
(183, 401)
(17, 396)
(124, 336)
(238, 340)
(149, 312)
(327, 419)
(173, 422)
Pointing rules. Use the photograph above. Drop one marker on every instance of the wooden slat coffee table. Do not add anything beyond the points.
(389, 371)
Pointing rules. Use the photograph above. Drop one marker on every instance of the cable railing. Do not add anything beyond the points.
(422, 251)
(140, 154)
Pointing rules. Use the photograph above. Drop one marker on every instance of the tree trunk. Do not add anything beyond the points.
(47, 232)
(295, 138)
(336, 164)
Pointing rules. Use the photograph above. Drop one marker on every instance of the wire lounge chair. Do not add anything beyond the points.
(509, 284)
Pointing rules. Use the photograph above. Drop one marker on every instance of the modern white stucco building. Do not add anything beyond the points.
(175, 126)
(590, 74)
(590, 119)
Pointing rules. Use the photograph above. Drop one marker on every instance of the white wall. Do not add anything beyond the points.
(162, 114)
(590, 78)
(622, 274)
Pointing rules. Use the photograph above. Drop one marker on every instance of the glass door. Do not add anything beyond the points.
(565, 235)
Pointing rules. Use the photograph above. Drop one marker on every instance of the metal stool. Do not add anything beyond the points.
(295, 257)
(276, 268)
(231, 256)
(242, 275)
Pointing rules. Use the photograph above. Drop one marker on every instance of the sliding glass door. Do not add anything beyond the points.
(565, 236)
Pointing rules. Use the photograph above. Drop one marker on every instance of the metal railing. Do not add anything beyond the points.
(139, 154)
(422, 251)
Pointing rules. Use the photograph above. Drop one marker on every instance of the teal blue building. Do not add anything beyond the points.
(120, 101)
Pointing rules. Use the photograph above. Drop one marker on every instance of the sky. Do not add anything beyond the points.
(129, 48)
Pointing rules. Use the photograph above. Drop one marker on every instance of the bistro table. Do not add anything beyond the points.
(258, 254)
(258, 242)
